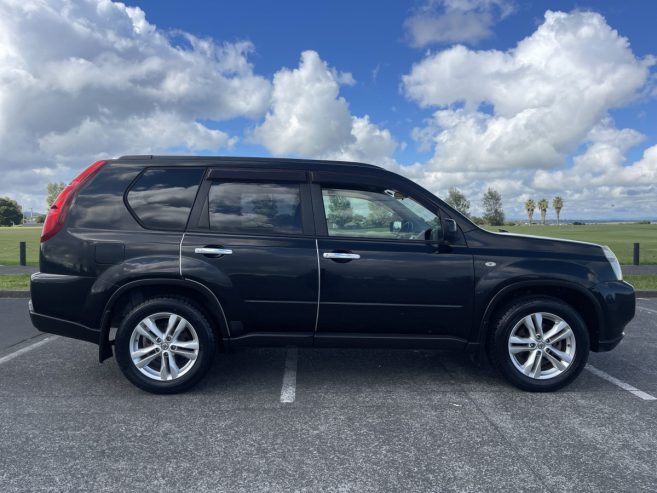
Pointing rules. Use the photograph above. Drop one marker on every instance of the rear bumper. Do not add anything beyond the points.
(618, 303)
(66, 328)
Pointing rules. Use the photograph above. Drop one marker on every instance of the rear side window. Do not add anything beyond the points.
(255, 208)
(163, 197)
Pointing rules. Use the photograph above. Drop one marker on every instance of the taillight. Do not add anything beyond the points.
(59, 209)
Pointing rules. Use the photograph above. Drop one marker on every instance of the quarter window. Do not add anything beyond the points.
(384, 214)
(255, 208)
(162, 198)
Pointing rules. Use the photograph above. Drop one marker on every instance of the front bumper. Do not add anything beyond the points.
(618, 303)
(66, 328)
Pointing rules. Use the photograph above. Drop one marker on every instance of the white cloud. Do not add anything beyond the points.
(461, 21)
(511, 119)
(547, 94)
(87, 78)
(308, 117)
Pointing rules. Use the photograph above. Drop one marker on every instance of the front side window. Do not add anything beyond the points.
(255, 208)
(386, 214)
(162, 198)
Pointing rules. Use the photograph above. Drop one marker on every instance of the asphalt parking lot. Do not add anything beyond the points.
(323, 420)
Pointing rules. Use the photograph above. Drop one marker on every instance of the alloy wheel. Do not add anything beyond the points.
(542, 345)
(164, 346)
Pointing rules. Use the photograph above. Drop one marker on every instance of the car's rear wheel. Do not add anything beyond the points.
(539, 344)
(165, 345)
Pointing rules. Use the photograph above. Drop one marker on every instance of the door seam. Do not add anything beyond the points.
(319, 285)
(180, 255)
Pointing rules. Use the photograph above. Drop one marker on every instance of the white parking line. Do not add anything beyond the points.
(289, 388)
(647, 310)
(26, 349)
(625, 386)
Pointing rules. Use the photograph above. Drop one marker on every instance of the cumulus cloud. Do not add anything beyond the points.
(80, 79)
(546, 94)
(308, 117)
(461, 21)
(513, 117)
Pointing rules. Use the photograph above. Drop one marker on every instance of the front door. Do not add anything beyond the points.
(251, 240)
(385, 270)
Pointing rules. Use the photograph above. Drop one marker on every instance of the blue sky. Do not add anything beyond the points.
(368, 38)
(534, 99)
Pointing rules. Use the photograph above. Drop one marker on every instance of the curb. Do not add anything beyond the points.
(646, 293)
(14, 294)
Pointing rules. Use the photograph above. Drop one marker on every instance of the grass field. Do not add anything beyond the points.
(619, 237)
(18, 282)
(9, 240)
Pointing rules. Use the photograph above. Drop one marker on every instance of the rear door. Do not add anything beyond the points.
(384, 271)
(251, 240)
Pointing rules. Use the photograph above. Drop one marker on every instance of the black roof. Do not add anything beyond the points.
(263, 161)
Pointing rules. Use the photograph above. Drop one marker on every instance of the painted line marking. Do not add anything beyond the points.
(625, 386)
(649, 310)
(289, 388)
(26, 349)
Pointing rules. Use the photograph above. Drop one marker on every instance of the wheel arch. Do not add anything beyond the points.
(580, 299)
(136, 291)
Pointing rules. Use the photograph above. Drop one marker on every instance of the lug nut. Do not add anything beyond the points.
(532, 345)
(168, 338)
(157, 349)
(165, 353)
(173, 348)
(158, 340)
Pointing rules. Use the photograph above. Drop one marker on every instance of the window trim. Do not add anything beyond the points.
(250, 175)
(134, 181)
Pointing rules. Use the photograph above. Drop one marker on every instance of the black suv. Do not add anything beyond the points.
(168, 259)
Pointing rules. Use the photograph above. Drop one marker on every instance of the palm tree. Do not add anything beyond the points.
(543, 207)
(557, 203)
(530, 207)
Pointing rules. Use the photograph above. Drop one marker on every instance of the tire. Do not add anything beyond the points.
(186, 356)
(560, 352)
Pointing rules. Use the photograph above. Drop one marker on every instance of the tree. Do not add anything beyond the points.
(543, 205)
(10, 212)
(340, 211)
(530, 207)
(54, 189)
(492, 204)
(379, 215)
(557, 203)
(457, 199)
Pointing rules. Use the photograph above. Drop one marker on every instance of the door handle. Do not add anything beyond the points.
(213, 251)
(341, 255)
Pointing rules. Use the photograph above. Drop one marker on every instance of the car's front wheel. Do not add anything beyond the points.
(539, 344)
(164, 345)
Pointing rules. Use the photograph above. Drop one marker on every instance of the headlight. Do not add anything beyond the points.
(613, 261)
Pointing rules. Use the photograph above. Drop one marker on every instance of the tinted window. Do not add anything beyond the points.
(162, 198)
(377, 214)
(257, 208)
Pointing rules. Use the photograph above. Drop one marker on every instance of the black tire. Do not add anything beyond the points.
(181, 307)
(498, 343)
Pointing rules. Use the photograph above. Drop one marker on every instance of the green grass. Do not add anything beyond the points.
(619, 237)
(642, 282)
(18, 282)
(9, 240)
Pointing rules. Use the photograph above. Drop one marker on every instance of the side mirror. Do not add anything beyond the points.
(395, 226)
(451, 229)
